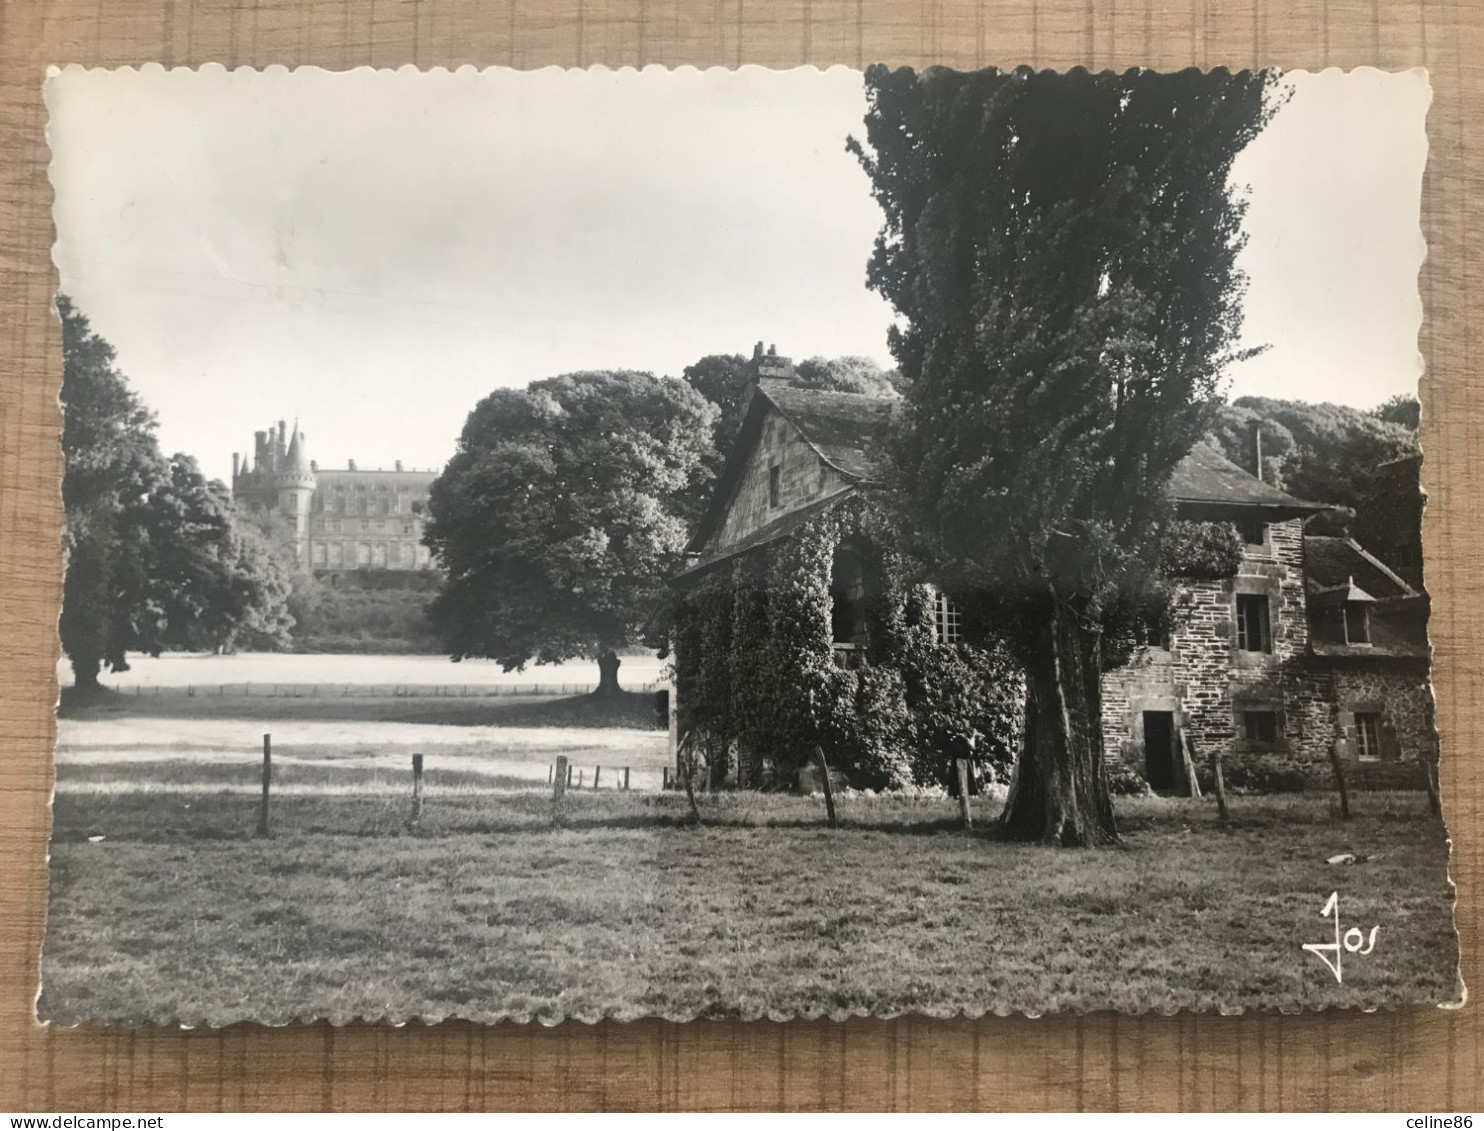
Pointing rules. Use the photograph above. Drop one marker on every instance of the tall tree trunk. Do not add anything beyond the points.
(608, 662)
(1059, 794)
(85, 673)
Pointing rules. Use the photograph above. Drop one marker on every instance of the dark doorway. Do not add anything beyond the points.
(1159, 750)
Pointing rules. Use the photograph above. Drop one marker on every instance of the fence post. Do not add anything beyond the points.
(417, 789)
(829, 792)
(626, 778)
(569, 772)
(665, 778)
(1334, 761)
(962, 766)
(597, 773)
(550, 774)
(267, 780)
(1194, 789)
(688, 773)
(580, 774)
(1218, 780)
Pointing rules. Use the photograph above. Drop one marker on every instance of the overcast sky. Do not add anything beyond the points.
(373, 252)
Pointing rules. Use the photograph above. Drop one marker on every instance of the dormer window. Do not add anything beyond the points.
(1357, 622)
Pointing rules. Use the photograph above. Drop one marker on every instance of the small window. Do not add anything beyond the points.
(1368, 736)
(1357, 623)
(1253, 629)
(1157, 636)
(948, 622)
(1260, 728)
(775, 485)
(1254, 533)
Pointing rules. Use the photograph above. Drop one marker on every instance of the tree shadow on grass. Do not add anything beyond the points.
(627, 709)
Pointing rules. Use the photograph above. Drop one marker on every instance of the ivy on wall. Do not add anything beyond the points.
(756, 673)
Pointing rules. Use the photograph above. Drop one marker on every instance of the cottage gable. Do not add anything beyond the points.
(797, 453)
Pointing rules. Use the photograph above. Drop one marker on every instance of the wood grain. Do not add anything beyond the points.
(1426, 1060)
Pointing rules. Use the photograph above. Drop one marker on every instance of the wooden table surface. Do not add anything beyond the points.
(1416, 1061)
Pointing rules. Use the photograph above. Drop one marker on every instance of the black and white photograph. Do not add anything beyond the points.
(577, 544)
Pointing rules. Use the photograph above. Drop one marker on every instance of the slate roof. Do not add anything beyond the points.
(1206, 479)
(1331, 562)
(1334, 568)
(774, 531)
(841, 427)
(844, 428)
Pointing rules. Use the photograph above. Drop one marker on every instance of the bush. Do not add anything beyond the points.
(1257, 777)
(1125, 781)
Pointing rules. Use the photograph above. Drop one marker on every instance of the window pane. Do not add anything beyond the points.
(1252, 623)
(1368, 736)
(1260, 726)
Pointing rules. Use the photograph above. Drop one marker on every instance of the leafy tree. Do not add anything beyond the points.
(721, 378)
(1403, 409)
(1327, 453)
(562, 513)
(1061, 250)
(153, 559)
(207, 584)
(844, 375)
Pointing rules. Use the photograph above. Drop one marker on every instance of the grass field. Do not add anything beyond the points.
(165, 907)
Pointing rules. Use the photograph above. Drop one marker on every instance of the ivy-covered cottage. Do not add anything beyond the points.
(798, 625)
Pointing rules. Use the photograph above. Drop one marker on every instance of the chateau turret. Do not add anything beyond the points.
(356, 519)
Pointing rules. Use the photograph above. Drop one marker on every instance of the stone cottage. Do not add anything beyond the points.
(1313, 645)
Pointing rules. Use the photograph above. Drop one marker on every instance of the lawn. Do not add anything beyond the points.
(494, 910)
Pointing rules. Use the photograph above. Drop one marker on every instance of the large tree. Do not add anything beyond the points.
(1061, 250)
(562, 513)
(153, 558)
(1328, 453)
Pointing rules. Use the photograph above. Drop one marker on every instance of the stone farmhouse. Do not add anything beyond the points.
(343, 520)
(1314, 646)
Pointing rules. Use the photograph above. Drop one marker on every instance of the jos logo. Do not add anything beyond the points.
(1353, 941)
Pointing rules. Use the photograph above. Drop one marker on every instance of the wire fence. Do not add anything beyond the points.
(375, 690)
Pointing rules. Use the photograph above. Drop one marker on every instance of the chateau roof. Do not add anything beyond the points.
(296, 462)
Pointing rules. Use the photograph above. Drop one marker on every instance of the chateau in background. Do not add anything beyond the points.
(350, 519)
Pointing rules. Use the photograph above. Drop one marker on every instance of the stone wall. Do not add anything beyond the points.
(803, 478)
(1204, 679)
(1400, 693)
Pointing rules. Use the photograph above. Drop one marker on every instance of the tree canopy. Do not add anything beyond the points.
(1061, 251)
(153, 558)
(1325, 453)
(563, 511)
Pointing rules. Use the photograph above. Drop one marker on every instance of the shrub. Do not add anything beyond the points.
(1126, 781)
(1257, 777)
